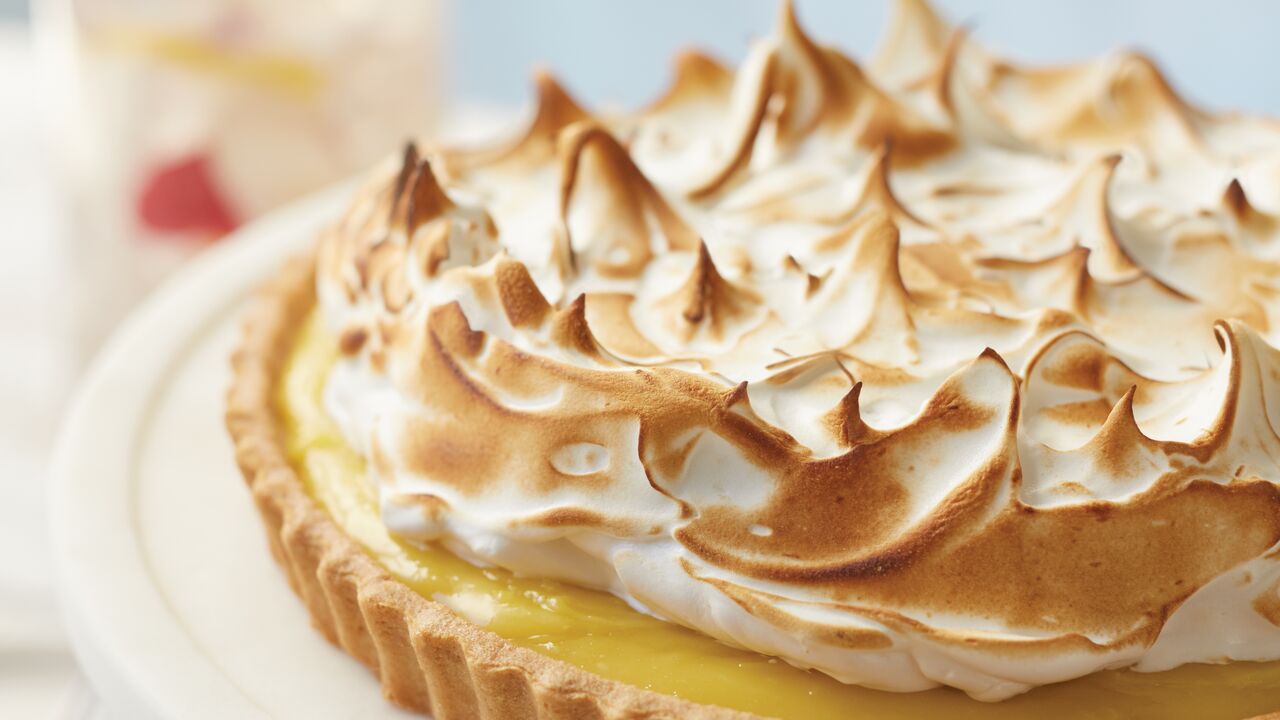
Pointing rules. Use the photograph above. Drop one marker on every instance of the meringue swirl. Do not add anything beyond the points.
(947, 371)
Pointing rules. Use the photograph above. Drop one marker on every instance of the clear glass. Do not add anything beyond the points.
(174, 122)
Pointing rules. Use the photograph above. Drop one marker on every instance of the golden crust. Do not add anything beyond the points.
(427, 658)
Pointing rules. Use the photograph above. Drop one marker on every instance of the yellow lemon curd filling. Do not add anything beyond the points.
(600, 633)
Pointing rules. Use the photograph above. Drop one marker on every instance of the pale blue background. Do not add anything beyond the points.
(1225, 53)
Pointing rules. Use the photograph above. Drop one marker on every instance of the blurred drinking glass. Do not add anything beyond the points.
(177, 121)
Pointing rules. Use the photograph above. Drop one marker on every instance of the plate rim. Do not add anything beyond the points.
(122, 631)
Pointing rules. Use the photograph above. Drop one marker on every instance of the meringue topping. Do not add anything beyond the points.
(946, 372)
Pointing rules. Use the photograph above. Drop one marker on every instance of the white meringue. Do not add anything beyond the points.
(955, 373)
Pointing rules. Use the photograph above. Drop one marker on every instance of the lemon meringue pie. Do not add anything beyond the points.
(807, 390)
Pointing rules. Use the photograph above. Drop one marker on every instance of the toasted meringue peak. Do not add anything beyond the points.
(570, 330)
(864, 304)
(421, 200)
(947, 372)
(917, 37)
(845, 420)
(698, 77)
(1263, 226)
(1083, 216)
(1126, 99)
(624, 207)
(521, 300)
(706, 302)
(554, 110)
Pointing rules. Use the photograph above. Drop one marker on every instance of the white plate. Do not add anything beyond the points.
(174, 605)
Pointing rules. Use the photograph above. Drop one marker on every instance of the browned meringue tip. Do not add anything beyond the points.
(1235, 199)
(554, 110)
(1138, 96)
(571, 145)
(708, 297)
(845, 420)
(788, 24)
(743, 141)
(696, 75)
(1148, 74)
(989, 353)
(1092, 191)
(522, 301)
(421, 201)
(1119, 438)
(702, 286)
(449, 329)
(738, 397)
(569, 329)
(556, 107)
(408, 165)
(625, 189)
(914, 26)
(1253, 220)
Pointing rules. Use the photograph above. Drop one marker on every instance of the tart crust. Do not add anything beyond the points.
(426, 657)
